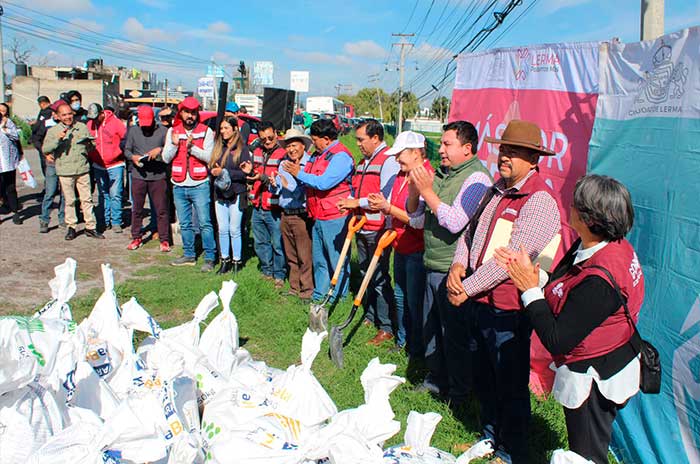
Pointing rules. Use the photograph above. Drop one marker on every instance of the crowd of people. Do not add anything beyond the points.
(469, 258)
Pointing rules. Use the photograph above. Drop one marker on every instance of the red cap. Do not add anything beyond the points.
(54, 106)
(145, 113)
(189, 103)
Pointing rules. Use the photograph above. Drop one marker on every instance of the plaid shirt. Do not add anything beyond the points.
(537, 223)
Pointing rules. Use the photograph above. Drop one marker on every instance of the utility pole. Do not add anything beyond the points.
(652, 19)
(402, 66)
(2, 59)
(372, 79)
(342, 88)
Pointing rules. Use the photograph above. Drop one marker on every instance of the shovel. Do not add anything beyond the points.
(318, 314)
(336, 338)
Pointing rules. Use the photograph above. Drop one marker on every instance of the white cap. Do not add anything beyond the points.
(406, 139)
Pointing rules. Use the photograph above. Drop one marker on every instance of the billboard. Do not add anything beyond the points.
(205, 87)
(262, 73)
(299, 81)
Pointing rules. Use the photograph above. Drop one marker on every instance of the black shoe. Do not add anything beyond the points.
(4, 209)
(17, 219)
(92, 233)
(208, 266)
(43, 227)
(70, 235)
(236, 265)
(226, 266)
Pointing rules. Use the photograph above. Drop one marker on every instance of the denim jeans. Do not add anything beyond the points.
(53, 188)
(198, 197)
(327, 239)
(379, 295)
(409, 278)
(110, 183)
(229, 217)
(268, 242)
(503, 363)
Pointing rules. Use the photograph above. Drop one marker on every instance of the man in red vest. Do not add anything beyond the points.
(375, 174)
(266, 211)
(188, 147)
(327, 177)
(519, 210)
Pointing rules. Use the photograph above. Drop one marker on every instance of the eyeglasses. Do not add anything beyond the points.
(269, 138)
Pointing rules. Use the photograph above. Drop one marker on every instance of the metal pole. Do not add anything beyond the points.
(166, 93)
(2, 59)
(374, 78)
(652, 19)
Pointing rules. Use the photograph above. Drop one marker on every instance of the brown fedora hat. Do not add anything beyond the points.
(522, 134)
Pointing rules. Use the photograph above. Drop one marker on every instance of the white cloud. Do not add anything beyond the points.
(425, 51)
(552, 6)
(87, 24)
(219, 27)
(159, 4)
(365, 49)
(64, 6)
(329, 29)
(302, 58)
(134, 30)
(208, 35)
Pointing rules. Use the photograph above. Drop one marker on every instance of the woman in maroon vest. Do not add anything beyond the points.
(580, 318)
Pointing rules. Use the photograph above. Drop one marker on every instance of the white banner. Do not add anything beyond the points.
(205, 87)
(299, 81)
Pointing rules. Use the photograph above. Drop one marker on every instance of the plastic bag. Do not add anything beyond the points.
(219, 341)
(63, 288)
(25, 172)
(479, 450)
(29, 416)
(416, 448)
(567, 457)
(189, 332)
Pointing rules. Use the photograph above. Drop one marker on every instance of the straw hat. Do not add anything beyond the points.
(296, 134)
(522, 134)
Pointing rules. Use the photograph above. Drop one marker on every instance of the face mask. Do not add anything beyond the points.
(75, 105)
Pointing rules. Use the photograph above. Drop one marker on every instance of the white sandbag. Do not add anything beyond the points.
(134, 433)
(29, 416)
(561, 456)
(84, 389)
(63, 288)
(189, 332)
(106, 338)
(480, 449)
(416, 448)
(135, 317)
(297, 393)
(219, 341)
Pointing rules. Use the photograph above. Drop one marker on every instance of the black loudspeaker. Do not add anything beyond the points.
(278, 107)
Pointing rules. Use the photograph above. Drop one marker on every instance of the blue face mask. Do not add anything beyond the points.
(75, 105)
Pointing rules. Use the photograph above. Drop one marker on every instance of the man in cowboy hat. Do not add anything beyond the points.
(188, 146)
(520, 210)
(295, 225)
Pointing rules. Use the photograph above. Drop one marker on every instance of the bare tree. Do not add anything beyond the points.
(20, 50)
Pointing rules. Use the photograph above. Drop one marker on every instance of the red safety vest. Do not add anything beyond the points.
(184, 163)
(621, 261)
(505, 296)
(367, 179)
(408, 240)
(259, 195)
(322, 203)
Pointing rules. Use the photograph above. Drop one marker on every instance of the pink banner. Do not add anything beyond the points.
(554, 86)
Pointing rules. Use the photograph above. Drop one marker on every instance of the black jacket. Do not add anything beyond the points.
(39, 127)
(238, 179)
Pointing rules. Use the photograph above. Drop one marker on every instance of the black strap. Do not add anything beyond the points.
(637, 343)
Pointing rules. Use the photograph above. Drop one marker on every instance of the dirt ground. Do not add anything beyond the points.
(27, 258)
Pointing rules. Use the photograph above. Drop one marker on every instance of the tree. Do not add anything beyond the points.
(366, 102)
(440, 107)
(411, 106)
(20, 51)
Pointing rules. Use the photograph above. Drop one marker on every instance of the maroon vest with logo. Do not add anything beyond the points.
(621, 261)
(261, 196)
(504, 295)
(367, 179)
(322, 203)
(184, 163)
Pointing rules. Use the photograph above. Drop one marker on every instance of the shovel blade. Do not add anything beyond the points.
(335, 344)
(318, 318)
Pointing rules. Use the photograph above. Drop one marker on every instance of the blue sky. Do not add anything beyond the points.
(337, 41)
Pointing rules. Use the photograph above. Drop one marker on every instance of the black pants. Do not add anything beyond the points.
(379, 296)
(8, 189)
(590, 426)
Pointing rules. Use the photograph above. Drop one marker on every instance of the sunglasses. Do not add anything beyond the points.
(269, 138)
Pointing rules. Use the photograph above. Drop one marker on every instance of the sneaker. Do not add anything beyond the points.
(184, 261)
(92, 233)
(43, 227)
(165, 247)
(17, 219)
(208, 266)
(70, 234)
(62, 225)
(118, 230)
(108, 227)
(135, 244)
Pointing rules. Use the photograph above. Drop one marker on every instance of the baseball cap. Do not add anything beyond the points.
(406, 139)
(94, 110)
(189, 103)
(145, 114)
(54, 106)
(232, 107)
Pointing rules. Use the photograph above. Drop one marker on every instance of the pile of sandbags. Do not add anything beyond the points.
(83, 394)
